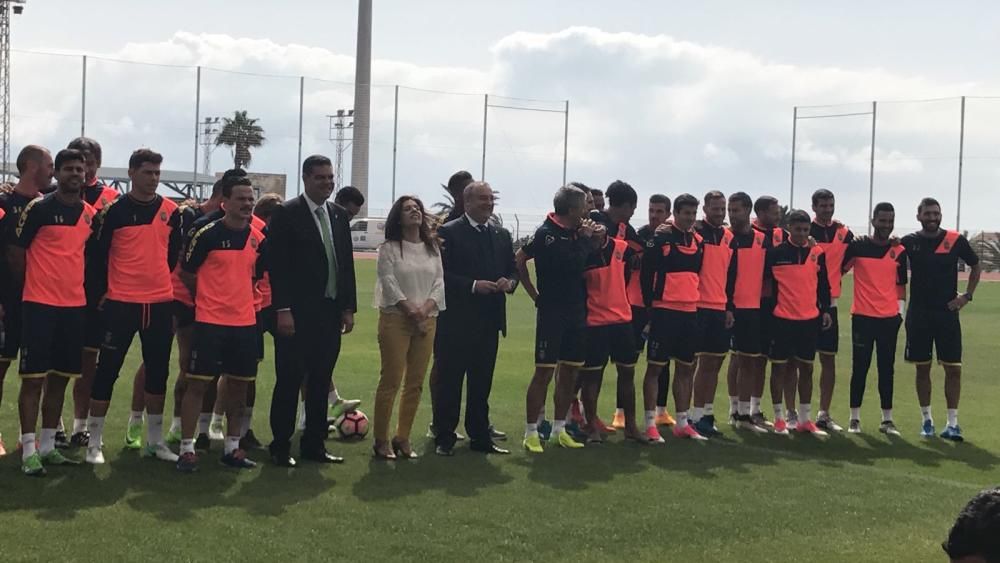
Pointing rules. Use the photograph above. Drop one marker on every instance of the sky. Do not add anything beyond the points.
(672, 97)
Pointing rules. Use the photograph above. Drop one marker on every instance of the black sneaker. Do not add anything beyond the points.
(238, 460)
(497, 434)
(62, 441)
(745, 422)
(706, 426)
(250, 442)
(80, 439)
(187, 462)
(202, 442)
(888, 428)
(827, 423)
(760, 420)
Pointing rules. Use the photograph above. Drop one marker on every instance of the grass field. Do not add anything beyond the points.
(747, 498)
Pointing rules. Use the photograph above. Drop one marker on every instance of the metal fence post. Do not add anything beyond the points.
(795, 126)
(395, 130)
(871, 170)
(197, 125)
(486, 110)
(83, 99)
(298, 163)
(961, 158)
(565, 140)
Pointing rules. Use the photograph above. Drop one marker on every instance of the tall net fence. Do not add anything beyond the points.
(418, 137)
(948, 149)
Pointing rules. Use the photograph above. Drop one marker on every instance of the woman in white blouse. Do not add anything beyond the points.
(409, 292)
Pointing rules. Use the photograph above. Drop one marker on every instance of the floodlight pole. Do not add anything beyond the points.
(795, 126)
(197, 126)
(362, 102)
(486, 112)
(871, 170)
(961, 157)
(395, 131)
(298, 162)
(565, 141)
(83, 98)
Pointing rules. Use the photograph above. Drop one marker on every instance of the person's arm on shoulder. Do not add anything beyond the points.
(651, 258)
(176, 238)
(901, 279)
(823, 297)
(734, 267)
(199, 247)
(28, 224)
(850, 253)
(97, 252)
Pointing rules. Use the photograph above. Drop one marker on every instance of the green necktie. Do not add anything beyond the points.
(331, 255)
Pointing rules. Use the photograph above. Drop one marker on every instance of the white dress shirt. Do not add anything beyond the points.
(408, 271)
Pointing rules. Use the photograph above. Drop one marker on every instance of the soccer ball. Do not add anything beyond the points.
(352, 425)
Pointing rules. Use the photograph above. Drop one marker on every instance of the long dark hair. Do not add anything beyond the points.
(394, 224)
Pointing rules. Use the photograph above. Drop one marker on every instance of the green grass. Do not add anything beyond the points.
(749, 498)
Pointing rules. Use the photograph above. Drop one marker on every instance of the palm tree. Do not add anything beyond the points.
(783, 217)
(990, 253)
(444, 208)
(240, 133)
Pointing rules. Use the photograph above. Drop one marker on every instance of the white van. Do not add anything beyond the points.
(367, 232)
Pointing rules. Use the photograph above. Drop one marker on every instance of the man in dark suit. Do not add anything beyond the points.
(479, 271)
(311, 264)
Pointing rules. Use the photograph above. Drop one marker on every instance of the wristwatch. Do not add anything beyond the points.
(968, 296)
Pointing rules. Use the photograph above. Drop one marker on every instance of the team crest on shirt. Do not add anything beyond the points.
(812, 257)
(650, 243)
(892, 254)
(549, 239)
(619, 255)
(840, 237)
(163, 216)
(86, 218)
(253, 242)
(947, 245)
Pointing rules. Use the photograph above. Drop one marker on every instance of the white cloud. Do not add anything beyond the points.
(665, 114)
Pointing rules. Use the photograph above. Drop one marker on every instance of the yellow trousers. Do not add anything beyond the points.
(405, 355)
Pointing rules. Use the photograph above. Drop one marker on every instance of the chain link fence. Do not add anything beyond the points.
(418, 137)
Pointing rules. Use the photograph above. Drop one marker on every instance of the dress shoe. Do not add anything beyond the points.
(490, 448)
(283, 460)
(497, 434)
(321, 456)
(446, 451)
(432, 434)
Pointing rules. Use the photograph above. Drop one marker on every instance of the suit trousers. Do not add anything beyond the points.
(469, 352)
(309, 358)
(405, 354)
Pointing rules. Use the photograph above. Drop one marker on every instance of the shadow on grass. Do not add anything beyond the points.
(835, 451)
(575, 470)
(156, 488)
(463, 475)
